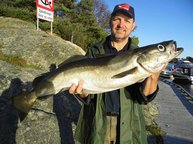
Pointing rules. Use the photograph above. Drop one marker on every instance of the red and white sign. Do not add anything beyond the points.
(45, 9)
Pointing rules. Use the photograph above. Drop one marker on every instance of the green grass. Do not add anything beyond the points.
(15, 60)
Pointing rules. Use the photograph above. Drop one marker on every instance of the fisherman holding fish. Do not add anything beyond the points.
(115, 116)
(113, 80)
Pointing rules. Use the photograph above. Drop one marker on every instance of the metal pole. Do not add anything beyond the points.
(51, 28)
(37, 24)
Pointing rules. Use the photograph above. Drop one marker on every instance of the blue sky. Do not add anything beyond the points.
(161, 20)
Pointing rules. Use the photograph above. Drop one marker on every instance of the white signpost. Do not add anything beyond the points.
(45, 11)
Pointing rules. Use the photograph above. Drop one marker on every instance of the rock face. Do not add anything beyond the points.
(20, 41)
(26, 53)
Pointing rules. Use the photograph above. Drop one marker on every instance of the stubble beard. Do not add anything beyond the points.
(118, 38)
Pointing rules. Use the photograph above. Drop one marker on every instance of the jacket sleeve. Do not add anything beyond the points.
(145, 99)
(139, 96)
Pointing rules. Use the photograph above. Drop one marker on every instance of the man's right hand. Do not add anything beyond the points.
(78, 89)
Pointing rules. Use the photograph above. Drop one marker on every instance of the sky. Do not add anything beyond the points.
(162, 20)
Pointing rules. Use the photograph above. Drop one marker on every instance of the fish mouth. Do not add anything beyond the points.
(175, 50)
(179, 51)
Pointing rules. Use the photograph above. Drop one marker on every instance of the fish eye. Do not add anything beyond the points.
(161, 48)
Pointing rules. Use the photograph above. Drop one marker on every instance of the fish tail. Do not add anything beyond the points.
(23, 103)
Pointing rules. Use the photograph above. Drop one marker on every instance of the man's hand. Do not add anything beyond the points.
(78, 89)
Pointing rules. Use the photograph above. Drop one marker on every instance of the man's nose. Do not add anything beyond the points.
(120, 24)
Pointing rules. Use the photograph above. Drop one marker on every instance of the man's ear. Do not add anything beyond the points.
(134, 26)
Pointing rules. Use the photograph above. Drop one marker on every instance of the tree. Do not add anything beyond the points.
(135, 40)
(84, 14)
(102, 14)
(81, 22)
(70, 4)
(27, 4)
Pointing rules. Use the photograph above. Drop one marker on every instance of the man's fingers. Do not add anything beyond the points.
(76, 89)
(79, 88)
(72, 89)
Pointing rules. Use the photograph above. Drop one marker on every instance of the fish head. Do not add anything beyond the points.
(154, 57)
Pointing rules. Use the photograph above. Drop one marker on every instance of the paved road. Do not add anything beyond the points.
(176, 115)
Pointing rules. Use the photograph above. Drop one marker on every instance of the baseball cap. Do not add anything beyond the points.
(124, 9)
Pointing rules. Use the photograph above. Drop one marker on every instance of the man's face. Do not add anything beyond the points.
(121, 27)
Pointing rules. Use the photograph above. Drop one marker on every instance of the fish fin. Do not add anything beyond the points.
(71, 59)
(123, 74)
(37, 80)
(22, 115)
(23, 103)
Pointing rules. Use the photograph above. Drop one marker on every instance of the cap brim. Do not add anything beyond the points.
(126, 13)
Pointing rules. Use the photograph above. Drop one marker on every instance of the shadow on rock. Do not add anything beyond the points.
(9, 115)
(67, 109)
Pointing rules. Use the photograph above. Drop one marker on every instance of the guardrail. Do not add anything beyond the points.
(187, 95)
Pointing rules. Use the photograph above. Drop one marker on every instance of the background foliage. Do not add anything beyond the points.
(82, 22)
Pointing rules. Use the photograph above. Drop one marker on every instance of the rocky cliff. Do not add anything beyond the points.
(26, 53)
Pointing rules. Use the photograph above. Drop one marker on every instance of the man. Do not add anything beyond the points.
(116, 116)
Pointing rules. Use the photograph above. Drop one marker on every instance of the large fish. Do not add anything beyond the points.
(101, 74)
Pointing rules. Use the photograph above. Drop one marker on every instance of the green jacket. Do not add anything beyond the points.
(92, 120)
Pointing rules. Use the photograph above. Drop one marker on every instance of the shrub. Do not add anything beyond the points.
(23, 14)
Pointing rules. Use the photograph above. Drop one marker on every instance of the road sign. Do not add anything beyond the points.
(46, 4)
(45, 9)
